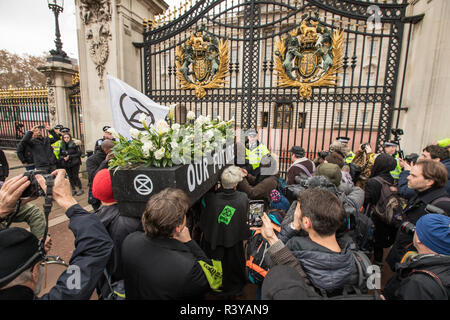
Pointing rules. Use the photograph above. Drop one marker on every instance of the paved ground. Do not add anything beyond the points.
(63, 239)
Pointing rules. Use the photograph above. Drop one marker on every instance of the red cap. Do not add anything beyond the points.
(102, 186)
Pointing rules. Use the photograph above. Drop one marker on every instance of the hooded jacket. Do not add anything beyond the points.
(41, 149)
(325, 269)
(409, 284)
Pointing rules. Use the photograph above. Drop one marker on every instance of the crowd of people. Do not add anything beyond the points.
(317, 228)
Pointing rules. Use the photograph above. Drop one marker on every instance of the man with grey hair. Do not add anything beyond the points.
(223, 221)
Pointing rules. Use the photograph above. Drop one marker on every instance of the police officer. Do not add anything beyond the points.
(254, 151)
(350, 155)
(390, 147)
(55, 134)
(106, 135)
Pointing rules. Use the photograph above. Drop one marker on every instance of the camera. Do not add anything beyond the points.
(255, 213)
(63, 153)
(34, 189)
(364, 145)
(408, 228)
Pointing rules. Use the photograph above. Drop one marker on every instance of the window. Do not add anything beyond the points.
(301, 121)
(265, 119)
(340, 114)
(365, 117)
(283, 115)
(372, 79)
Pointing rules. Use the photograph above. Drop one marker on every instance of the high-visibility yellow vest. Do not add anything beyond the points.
(254, 156)
(396, 172)
(56, 147)
(349, 158)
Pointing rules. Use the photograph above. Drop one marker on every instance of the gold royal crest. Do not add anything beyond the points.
(309, 56)
(202, 62)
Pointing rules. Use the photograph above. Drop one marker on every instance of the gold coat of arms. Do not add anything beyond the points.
(309, 56)
(202, 62)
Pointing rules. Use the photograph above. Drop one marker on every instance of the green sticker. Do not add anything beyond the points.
(226, 215)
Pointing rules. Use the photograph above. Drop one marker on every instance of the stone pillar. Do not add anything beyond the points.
(59, 79)
(106, 32)
(426, 93)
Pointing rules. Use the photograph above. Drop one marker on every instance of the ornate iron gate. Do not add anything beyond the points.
(359, 105)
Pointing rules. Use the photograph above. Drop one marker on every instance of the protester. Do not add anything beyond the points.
(384, 234)
(426, 275)
(163, 262)
(21, 273)
(278, 201)
(431, 152)
(95, 163)
(301, 166)
(118, 227)
(428, 179)
(364, 158)
(41, 149)
(70, 160)
(223, 221)
(329, 264)
(259, 188)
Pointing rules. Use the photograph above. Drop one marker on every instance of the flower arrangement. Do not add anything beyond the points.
(165, 144)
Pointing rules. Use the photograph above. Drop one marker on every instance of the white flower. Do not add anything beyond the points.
(159, 154)
(176, 126)
(218, 118)
(147, 147)
(200, 120)
(208, 135)
(142, 117)
(190, 115)
(134, 133)
(162, 127)
(174, 144)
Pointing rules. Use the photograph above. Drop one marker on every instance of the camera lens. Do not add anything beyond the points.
(408, 228)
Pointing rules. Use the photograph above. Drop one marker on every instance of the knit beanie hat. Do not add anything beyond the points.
(433, 230)
(19, 249)
(331, 171)
(102, 186)
(275, 196)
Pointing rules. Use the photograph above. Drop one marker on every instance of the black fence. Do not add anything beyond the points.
(21, 110)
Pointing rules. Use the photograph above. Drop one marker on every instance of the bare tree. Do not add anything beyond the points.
(20, 71)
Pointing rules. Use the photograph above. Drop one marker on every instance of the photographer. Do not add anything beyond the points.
(21, 272)
(301, 166)
(426, 274)
(41, 149)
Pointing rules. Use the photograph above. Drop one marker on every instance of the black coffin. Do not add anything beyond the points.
(133, 187)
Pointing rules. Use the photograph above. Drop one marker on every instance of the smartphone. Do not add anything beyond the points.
(255, 213)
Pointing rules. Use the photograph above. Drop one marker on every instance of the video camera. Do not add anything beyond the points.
(397, 133)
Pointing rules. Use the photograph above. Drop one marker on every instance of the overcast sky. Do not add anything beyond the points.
(28, 27)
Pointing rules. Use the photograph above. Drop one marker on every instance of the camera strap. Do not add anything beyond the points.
(10, 217)
(49, 182)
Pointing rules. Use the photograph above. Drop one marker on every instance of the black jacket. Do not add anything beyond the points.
(41, 149)
(73, 151)
(93, 247)
(118, 227)
(24, 152)
(95, 163)
(413, 212)
(162, 268)
(410, 284)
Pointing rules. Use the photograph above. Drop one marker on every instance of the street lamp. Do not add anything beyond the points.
(57, 6)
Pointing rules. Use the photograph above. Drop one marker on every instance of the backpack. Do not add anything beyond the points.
(357, 289)
(257, 246)
(389, 207)
(362, 233)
